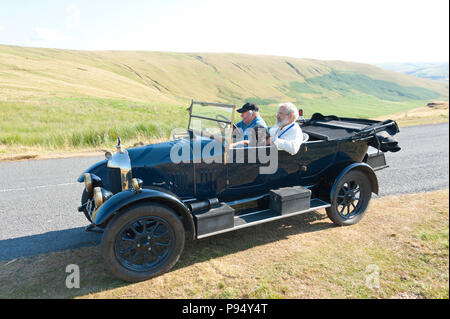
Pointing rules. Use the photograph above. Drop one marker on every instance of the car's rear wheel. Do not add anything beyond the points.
(144, 241)
(350, 198)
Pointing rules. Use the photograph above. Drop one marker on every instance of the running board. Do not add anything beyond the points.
(264, 216)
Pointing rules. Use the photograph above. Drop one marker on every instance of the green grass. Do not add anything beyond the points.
(384, 90)
(260, 101)
(85, 122)
(358, 106)
(440, 237)
(299, 87)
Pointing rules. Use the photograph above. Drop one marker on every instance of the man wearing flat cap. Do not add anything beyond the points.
(251, 122)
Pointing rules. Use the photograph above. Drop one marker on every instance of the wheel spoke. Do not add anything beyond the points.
(124, 238)
(133, 257)
(161, 235)
(162, 244)
(144, 225)
(156, 254)
(144, 257)
(124, 251)
(139, 225)
(154, 229)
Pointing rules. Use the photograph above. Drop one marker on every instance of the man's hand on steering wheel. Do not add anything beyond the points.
(221, 125)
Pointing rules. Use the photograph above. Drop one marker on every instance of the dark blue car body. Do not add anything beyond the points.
(213, 188)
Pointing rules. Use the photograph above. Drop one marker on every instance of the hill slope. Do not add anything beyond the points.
(171, 77)
(65, 98)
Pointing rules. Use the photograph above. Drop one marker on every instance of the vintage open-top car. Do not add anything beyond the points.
(147, 200)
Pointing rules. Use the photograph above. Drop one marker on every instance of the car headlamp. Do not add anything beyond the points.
(88, 182)
(98, 197)
(91, 181)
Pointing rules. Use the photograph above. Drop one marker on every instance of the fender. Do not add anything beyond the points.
(128, 197)
(98, 169)
(360, 166)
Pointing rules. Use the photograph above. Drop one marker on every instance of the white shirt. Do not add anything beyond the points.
(288, 138)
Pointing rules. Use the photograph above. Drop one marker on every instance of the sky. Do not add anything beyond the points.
(367, 31)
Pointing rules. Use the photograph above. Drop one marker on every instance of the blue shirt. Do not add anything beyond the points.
(247, 128)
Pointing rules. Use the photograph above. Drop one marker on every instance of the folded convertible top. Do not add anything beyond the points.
(332, 127)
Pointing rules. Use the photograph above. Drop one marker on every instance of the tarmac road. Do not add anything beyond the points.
(39, 198)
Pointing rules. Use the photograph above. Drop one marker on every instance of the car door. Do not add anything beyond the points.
(209, 168)
(314, 158)
(246, 169)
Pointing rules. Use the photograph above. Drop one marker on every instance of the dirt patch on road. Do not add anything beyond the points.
(33, 156)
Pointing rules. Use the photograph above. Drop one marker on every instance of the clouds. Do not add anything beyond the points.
(50, 35)
(46, 37)
(56, 36)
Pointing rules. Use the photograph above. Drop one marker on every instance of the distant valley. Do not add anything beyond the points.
(432, 71)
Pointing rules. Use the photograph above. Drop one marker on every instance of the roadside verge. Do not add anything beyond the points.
(400, 249)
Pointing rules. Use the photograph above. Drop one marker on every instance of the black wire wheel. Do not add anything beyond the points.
(350, 199)
(144, 241)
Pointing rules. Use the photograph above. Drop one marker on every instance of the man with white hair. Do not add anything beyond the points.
(286, 135)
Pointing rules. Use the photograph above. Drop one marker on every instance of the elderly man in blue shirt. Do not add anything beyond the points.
(250, 121)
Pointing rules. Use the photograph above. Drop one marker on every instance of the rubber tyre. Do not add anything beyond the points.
(116, 225)
(365, 187)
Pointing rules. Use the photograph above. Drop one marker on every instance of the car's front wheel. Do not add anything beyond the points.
(350, 198)
(144, 241)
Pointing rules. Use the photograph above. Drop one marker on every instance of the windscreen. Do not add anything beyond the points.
(210, 118)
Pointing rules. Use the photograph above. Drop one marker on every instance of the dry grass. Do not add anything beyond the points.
(20, 152)
(420, 116)
(404, 236)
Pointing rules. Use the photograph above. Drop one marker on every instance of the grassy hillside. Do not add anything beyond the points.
(62, 99)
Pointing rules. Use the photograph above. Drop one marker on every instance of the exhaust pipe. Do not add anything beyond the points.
(205, 204)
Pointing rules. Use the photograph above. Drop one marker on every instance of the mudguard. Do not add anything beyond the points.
(361, 166)
(128, 197)
(98, 169)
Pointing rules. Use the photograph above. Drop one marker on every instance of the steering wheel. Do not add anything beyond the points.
(221, 125)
